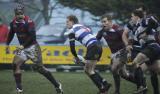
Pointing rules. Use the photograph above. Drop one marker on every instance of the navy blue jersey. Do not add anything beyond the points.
(131, 27)
(145, 33)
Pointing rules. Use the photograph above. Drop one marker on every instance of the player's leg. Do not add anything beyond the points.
(17, 62)
(47, 74)
(101, 83)
(138, 74)
(152, 52)
(34, 53)
(129, 75)
(124, 73)
(115, 63)
(118, 68)
(117, 79)
(154, 82)
(93, 54)
(155, 69)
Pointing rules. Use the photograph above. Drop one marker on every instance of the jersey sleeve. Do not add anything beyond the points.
(72, 44)
(10, 34)
(150, 24)
(99, 34)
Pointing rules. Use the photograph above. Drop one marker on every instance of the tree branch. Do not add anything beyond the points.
(52, 8)
(33, 7)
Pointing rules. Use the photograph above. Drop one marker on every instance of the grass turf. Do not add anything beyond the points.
(73, 83)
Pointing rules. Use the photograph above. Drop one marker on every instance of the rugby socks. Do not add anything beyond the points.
(97, 79)
(139, 77)
(116, 82)
(154, 81)
(129, 77)
(18, 80)
(49, 76)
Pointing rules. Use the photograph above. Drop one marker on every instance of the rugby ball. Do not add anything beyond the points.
(80, 61)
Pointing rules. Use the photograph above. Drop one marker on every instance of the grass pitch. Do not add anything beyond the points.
(73, 83)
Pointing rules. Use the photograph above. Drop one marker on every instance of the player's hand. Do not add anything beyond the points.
(129, 48)
(129, 57)
(7, 49)
(76, 60)
(20, 47)
(79, 60)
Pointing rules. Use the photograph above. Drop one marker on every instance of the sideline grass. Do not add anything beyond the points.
(73, 83)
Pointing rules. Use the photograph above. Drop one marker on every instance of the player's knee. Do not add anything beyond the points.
(16, 66)
(89, 72)
(113, 68)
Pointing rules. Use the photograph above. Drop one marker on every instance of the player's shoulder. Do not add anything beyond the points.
(13, 20)
(77, 26)
(28, 19)
(70, 31)
(117, 27)
(130, 25)
(12, 23)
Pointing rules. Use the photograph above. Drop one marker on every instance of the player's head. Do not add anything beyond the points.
(136, 15)
(71, 20)
(143, 8)
(106, 21)
(19, 11)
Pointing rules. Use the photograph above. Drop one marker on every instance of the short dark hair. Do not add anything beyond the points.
(138, 13)
(142, 6)
(73, 18)
(19, 7)
(109, 17)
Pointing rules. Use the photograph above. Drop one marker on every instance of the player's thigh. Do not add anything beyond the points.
(140, 58)
(116, 64)
(34, 53)
(144, 67)
(18, 60)
(20, 57)
(155, 66)
(94, 52)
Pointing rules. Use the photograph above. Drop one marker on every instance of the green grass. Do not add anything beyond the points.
(73, 83)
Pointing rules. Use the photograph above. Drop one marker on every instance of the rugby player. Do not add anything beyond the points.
(24, 28)
(84, 35)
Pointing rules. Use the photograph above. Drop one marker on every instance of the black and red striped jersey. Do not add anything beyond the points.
(25, 31)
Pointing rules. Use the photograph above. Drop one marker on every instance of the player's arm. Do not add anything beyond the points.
(10, 35)
(99, 35)
(125, 36)
(126, 40)
(152, 24)
(31, 32)
(9, 38)
(72, 44)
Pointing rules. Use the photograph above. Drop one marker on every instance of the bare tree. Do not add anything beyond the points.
(46, 9)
